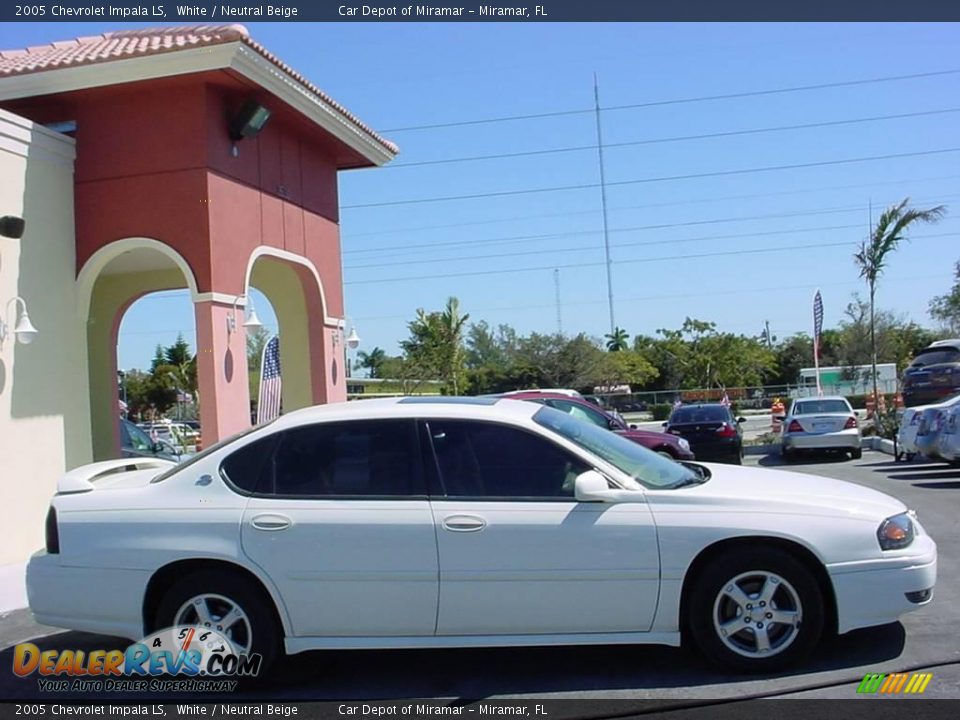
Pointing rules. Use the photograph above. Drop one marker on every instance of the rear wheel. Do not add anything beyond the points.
(225, 602)
(755, 610)
(856, 454)
(787, 454)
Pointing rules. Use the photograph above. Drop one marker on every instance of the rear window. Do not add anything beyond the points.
(705, 413)
(815, 407)
(936, 357)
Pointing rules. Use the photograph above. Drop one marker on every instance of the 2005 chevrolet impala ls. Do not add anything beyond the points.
(458, 522)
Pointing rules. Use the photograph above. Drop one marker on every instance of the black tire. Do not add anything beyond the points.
(796, 586)
(264, 630)
(856, 454)
(787, 454)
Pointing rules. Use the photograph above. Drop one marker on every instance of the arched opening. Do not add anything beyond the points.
(111, 281)
(311, 342)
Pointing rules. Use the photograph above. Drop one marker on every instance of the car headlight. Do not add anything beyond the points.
(683, 443)
(896, 532)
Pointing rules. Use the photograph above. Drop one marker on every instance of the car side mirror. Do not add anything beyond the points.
(664, 424)
(634, 426)
(741, 420)
(591, 486)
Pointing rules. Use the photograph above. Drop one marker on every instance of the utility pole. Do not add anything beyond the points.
(603, 200)
(556, 292)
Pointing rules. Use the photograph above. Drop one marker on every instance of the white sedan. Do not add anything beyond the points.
(465, 522)
(825, 423)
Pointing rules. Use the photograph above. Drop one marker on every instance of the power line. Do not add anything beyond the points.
(642, 243)
(670, 139)
(721, 198)
(675, 101)
(675, 296)
(393, 250)
(726, 253)
(581, 248)
(664, 178)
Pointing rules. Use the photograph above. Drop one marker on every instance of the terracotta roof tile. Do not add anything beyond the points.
(125, 44)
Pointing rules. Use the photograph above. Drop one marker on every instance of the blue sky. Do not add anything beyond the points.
(395, 76)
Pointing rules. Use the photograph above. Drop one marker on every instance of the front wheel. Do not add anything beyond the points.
(755, 611)
(227, 603)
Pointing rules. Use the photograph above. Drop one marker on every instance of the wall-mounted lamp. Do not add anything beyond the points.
(22, 328)
(353, 340)
(247, 123)
(251, 322)
(12, 226)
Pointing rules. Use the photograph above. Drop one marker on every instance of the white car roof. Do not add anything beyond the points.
(490, 408)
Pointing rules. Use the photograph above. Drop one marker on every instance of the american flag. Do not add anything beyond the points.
(268, 405)
(817, 322)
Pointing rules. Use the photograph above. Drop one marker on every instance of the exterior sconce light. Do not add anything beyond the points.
(12, 226)
(23, 328)
(353, 340)
(252, 322)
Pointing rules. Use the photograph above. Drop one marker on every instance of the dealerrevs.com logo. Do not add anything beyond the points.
(183, 658)
(895, 683)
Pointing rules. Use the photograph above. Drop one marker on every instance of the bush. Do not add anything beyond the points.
(661, 411)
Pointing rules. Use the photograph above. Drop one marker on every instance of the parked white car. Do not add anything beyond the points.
(910, 424)
(826, 423)
(948, 444)
(455, 522)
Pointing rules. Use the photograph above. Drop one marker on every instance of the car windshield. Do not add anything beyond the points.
(644, 466)
(207, 451)
(700, 413)
(935, 357)
(816, 407)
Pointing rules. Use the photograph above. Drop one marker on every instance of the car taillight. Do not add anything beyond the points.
(795, 426)
(851, 423)
(727, 431)
(51, 532)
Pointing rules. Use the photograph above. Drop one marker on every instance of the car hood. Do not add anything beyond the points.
(777, 491)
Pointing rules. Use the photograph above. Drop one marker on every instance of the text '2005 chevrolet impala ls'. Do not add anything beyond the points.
(457, 522)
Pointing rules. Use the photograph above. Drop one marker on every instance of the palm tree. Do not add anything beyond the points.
(884, 238)
(452, 323)
(617, 340)
(372, 361)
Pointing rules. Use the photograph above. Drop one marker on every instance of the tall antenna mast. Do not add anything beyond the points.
(603, 200)
(556, 292)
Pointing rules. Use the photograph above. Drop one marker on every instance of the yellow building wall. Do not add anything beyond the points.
(44, 399)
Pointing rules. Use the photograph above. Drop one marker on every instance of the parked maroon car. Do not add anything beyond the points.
(669, 445)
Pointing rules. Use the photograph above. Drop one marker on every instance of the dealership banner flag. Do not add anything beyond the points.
(268, 404)
(817, 330)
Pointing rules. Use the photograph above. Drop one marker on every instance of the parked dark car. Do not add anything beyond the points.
(933, 374)
(663, 443)
(711, 429)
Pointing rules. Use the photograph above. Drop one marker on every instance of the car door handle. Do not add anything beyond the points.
(464, 523)
(271, 522)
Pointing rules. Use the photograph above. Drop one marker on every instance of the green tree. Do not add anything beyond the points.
(871, 258)
(372, 361)
(257, 340)
(435, 349)
(945, 309)
(617, 340)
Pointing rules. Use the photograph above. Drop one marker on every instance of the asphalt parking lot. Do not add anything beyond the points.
(925, 640)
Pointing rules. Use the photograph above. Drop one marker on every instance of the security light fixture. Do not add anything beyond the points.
(249, 121)
(353, 340)
(23, 328)
(252, 322)
(12, 226)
